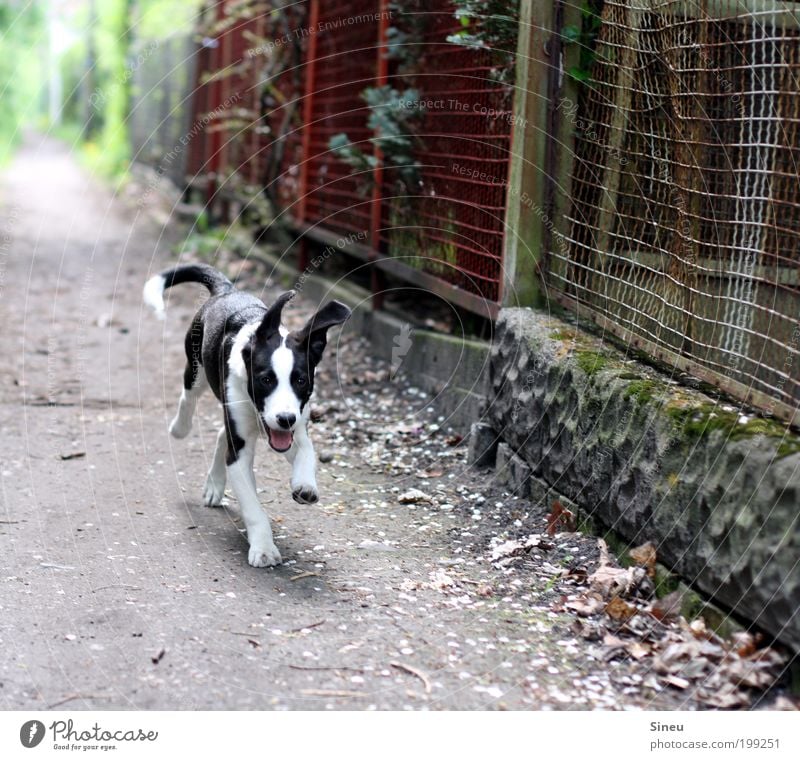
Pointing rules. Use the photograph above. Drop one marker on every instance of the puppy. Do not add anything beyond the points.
(263, 376)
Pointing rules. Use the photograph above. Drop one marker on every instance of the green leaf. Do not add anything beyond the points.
(339, 142)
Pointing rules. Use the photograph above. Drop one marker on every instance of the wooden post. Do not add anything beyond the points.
(620, 113)
(377, 280)
(531, 213)
(308, 115)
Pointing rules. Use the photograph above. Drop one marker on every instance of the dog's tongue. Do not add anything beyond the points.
(280, 440)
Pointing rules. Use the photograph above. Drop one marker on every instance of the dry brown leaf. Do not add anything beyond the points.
(560, 518)
(645, 556)
(667, 608)
(677, 681)
(620, 610)
(638, 649)
(585, 606)
(744, 643)
(615, 581)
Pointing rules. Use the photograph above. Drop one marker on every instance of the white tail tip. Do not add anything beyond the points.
(153, 294)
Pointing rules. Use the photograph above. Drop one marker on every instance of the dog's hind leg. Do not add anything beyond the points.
(194, 383)
(215, 481)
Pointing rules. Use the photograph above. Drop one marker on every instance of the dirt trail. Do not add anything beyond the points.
(120, 590)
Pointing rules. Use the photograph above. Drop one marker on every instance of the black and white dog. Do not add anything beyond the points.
(263, 375)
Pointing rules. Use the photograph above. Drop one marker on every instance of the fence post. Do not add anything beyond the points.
(377, 280)
(308, 115)
(539, 137)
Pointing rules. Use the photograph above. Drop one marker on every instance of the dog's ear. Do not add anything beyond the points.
(313, 337)
(272, 319)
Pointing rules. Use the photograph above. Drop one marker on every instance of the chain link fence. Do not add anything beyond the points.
(682, 231)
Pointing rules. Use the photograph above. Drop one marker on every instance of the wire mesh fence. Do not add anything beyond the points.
(451, 221)
(683, 225)
(161, 103)
(276, 84)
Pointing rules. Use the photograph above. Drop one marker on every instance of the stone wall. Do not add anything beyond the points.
(715, 488)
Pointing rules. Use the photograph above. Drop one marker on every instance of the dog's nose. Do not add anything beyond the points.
(285, 420)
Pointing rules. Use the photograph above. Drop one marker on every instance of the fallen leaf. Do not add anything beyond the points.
(560, 518)
(744, 643)
(586, 606)
(620, 610)
(638, 650)
(507, 549)
(645, 556)
(667, 608)
(677, 681)
(611, 581)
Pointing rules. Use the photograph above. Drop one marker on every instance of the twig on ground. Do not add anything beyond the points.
(310, 625)
(305, 574)
(76, 696)
(414, 672)
(326, 667)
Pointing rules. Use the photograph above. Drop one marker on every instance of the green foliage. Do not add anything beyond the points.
(405, 38)
(22, 29)
(586, 36)
(391, 119)
(159, 19)
(97, 71)
(490, 25)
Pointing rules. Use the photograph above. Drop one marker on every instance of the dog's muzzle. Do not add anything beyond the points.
(280, 440)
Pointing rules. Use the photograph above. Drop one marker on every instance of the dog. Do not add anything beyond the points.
(263, 375)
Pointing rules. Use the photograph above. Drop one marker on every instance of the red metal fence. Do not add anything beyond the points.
(276, 84)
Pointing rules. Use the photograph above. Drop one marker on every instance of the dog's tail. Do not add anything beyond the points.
(153, 293)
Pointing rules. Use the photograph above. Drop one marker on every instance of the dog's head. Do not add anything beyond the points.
(280, 366)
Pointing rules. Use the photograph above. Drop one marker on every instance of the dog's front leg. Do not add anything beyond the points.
(263, 552)
(304, 467)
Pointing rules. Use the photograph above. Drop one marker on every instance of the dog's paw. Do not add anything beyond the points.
(214, 491)
(305, 494)
(179, 428)
(264, 555)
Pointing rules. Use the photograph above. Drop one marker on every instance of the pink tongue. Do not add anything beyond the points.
(280, 439)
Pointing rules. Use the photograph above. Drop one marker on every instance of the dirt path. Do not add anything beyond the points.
(120, 590)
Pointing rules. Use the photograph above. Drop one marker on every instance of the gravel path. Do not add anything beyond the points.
(120, 590)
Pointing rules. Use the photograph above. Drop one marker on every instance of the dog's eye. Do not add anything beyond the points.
(300, 381)
(267, 379)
